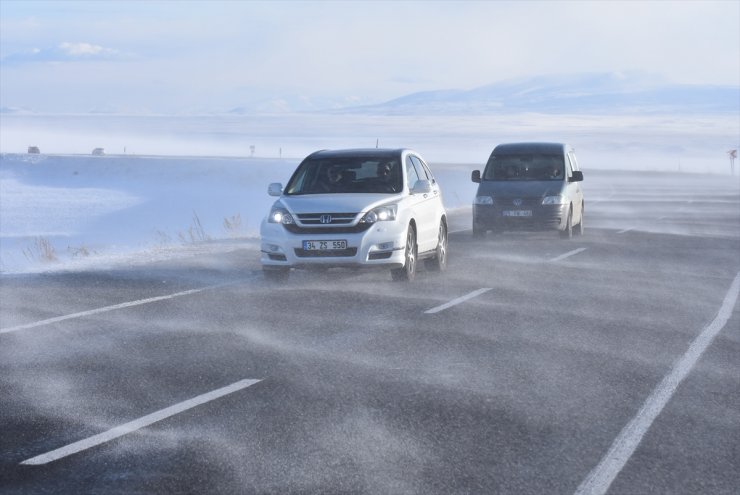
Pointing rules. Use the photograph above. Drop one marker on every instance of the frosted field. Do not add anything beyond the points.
(178, 185)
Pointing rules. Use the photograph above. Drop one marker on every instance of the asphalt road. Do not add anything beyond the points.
(516, 371)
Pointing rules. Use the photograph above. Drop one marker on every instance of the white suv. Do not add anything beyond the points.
(366, 207)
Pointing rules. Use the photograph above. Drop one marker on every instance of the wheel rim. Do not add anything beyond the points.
(410, 252)
(442, 246)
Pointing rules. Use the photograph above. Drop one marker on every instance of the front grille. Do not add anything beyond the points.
(526, 203)
(326, 223)
(326, 218)
(334, 253)
(355, 229)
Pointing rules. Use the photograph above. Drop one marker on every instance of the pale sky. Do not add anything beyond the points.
(190, 56)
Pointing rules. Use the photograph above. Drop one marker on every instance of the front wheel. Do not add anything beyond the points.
(579, 227)
(478, 231)
(439, 262)
(408, 271)
(567, 233)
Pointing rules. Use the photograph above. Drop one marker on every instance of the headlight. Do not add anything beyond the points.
(280, 215)
(380, 214)
(554, 200)
(483, 200)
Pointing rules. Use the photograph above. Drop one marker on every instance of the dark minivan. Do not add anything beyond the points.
(529, 186)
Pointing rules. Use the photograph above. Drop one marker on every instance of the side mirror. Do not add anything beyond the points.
(275, 189)
(422, 187)
(577, 176)
(475, 176)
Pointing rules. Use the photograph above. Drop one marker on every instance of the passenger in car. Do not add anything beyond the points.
(332, 181)
(388, 177)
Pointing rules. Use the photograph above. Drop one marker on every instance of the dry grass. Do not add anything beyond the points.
(233, 225)
(79, 252)
(195, 233)
(41, 250)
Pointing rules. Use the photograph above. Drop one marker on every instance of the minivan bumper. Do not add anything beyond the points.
(531, 217)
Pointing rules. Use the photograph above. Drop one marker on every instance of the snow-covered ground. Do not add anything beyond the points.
(77, 211)
(642, 141)
(63, 211)
(66, 208)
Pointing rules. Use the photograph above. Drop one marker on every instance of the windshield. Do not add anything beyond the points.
(346, 175)
(531, 166)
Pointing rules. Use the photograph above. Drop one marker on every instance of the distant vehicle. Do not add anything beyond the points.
(98, 152)
(368, 208)
(34, 150)
(529, 186)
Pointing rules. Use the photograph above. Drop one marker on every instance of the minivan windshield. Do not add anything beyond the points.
(530, 166)
(343, 174)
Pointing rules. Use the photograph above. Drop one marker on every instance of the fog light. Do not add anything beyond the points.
(385, 246)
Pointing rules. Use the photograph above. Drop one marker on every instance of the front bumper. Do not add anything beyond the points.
(530, 217)
(381, 245)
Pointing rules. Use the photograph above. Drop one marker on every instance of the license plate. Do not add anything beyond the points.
(517, 213)
(324, 245)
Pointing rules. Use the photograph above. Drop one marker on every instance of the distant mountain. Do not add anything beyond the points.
(14, 110)
(292, 103)
(577, 94)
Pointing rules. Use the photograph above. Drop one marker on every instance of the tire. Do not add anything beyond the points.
(579, 228)
(568, 232)
(478, 231)
(439, 262)
(280, 274)
(408, 271)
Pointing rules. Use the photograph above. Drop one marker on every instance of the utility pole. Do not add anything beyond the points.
(733, 155)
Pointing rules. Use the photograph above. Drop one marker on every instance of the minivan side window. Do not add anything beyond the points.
(569, 168)
(573, 161)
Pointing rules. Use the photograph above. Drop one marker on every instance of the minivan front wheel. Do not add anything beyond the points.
(408, 271)
(579, 228)
(479, 232)
(567, 233)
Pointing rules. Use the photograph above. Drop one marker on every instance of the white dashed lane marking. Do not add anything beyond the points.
(457, 301)
(105, 309)
(137, 424)
(567, 255)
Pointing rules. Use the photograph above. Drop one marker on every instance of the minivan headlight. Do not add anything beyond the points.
(483, 200)
(280, 215)
(555, 200)
(380, 214)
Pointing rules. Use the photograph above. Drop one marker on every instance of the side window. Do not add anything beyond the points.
(423, 169)
(411, 174)
(429, 173)
(420, 168)
(568, 166)
(573, 161)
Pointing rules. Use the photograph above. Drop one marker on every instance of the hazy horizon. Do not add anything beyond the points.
(195, 57)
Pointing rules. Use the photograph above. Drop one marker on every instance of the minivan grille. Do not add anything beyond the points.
(524, 203)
